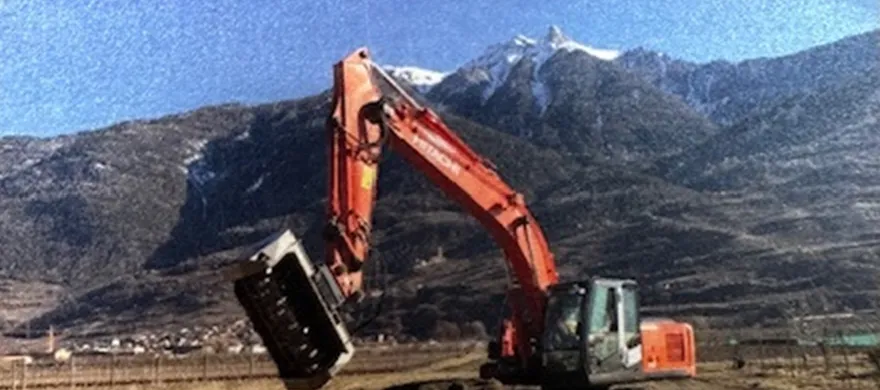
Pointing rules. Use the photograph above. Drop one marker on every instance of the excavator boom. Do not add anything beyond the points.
(371, 111)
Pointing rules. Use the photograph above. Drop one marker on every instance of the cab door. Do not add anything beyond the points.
(613, 339)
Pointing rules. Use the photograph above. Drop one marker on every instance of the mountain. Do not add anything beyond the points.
(85, 206)
(127, 227)
(836, 127)
(189, 190)
(574, 98)
(728, 92)
(802, 174)
(815, 156)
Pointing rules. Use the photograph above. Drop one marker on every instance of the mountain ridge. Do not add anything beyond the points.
(557, 94)
(727, 91)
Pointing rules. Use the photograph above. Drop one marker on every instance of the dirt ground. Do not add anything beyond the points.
(459, 373)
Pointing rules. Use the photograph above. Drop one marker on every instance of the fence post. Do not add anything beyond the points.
(112, 371)
(805, 357)
(24, 375)
(72, 373)
(250, 365)
(825, 356)
(761, 354)
(156, 363)
(204, 367)
(846, 364)
(14, 376)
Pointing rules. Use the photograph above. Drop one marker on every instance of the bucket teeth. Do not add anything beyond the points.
(292, 307)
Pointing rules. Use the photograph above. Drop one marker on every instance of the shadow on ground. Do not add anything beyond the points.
(464, 384)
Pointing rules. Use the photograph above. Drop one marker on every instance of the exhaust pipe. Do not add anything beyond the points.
(294, 308)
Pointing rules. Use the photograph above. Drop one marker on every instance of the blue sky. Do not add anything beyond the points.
(69, 65)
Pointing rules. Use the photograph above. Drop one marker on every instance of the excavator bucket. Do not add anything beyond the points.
(293, 306)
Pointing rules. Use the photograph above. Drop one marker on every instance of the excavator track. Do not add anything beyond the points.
(292, 305)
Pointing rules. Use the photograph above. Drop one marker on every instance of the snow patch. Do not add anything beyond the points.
(201, 174)
(53, 145)
(27, 163)
(524, 40)
(419, 78)
(541, 93)
(243, 136)
(866, 205)
(256, 185)
(870, 210)
(196, 167)
(498, 72)
(499, 59)
(195, 148)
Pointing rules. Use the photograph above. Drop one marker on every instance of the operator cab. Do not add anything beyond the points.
(591, 332)
(594, 336)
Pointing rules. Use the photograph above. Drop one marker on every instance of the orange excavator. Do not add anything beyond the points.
(577, 334)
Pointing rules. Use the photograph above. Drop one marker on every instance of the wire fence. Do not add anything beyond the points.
(764, 356)
(125, 370)
(827, 359)
(119, 371)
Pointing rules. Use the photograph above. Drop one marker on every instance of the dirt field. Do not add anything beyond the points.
(445, 369)
(451, 375)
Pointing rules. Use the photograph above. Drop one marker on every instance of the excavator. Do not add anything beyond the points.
(557, 335)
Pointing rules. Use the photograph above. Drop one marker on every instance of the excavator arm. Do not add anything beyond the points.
(295, 306)
(365, 118)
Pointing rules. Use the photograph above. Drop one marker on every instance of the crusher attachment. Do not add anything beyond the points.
(293, 305)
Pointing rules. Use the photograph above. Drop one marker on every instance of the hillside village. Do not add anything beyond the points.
(237, 338)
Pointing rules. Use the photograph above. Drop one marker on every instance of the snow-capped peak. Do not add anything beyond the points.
(555, 35)
(419, 78)
(558, 40)
(523, 40)
(522, 46)
(498, 59)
